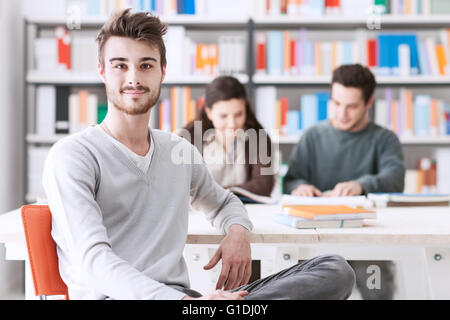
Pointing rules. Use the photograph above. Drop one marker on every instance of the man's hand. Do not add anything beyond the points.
(234, 250)
(220, 295)
(343, 189)
(306, 190)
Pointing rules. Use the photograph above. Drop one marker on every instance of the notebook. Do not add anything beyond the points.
(341, 212)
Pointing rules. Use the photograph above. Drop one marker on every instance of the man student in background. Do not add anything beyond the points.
(349, 155)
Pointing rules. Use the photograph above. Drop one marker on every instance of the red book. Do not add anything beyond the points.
(293, 54)
(284, 111)
(283, 6)
(261, 53)
(372, 53)
(63, 38)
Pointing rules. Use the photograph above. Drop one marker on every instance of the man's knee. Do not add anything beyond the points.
(344, 275)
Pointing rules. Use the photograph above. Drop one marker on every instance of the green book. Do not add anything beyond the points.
(102, 109)
(440, 7)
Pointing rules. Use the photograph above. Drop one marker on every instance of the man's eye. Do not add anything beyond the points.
(121, 66)
(146, 66)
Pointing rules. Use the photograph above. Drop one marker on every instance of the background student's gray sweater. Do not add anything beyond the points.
(121, 232)
(326, 156)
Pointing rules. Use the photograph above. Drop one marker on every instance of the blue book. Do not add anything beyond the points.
(422, 115)
(180, 6)
(152, 5)
(385, 52)
(300, 120)
(348, 52)
(301, 223)
(309, 107)
(137, 6)
(93, 7)
(411, 41)
(322, 104)
(189, 6)
(423, 65)
(316, 7)
(293, 125)
(274, 53)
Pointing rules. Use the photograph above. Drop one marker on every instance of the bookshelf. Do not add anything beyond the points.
(207, 28)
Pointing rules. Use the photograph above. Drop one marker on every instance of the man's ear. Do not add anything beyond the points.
(163, 71)
(101, 72)
(369, 103)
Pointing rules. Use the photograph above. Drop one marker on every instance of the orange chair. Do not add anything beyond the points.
(37, 224)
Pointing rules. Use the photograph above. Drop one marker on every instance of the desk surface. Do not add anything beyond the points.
(395, 226)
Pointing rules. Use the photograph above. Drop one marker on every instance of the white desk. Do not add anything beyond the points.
(417, 239)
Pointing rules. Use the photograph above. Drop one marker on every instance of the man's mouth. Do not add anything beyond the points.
(134, 93)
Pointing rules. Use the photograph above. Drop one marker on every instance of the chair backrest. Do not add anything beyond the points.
(37, 224)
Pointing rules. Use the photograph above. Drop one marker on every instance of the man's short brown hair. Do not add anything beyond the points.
(355, 75)
(140, 26)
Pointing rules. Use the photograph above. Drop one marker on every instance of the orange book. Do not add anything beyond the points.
(434, 117)
(118, 5)
(340, 212)
(406, 6)
(333, 55)
(317, 60)
(198, 58)
(83, 100)
(187, 104)
(409, 111)
(214, 58)
(278, 116)
(440, 53)
(286, 52)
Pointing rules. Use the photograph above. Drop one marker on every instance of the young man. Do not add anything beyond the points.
(120, 201)
(349, 155)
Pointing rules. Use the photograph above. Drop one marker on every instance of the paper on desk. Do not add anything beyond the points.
(324, 201)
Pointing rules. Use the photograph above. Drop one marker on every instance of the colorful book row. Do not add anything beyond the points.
(58, 111)
(349, 7)
(293, 53)
(409, 115)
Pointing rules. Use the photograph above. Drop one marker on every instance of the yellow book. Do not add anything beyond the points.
(341, 212)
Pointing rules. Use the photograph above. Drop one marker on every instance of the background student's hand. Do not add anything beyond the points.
(220, 295)
(235, 252)
(350, 188)
(306, 190)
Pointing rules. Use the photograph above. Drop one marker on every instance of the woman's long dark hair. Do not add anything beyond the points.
(224, 88)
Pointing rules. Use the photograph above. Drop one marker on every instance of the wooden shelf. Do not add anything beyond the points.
(91, 78)
(328, 21)
(184, 19)
(261, 79)
(443, 140)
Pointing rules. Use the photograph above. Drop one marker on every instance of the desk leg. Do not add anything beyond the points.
(438, 265)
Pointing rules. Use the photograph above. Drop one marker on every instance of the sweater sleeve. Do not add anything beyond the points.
(220, 206)
(391, 171)
(69, 180)
(298, 170)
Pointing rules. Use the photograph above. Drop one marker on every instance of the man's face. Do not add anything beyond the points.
(132, 74)
(349, 108)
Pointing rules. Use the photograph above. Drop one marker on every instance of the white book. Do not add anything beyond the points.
(74, 113)
(431, 53)
(266, 97)
(404, 60)
(201, 8)
(45, 110)
(326, 58)
(174, 37)
(46, 54)
(92, 109)
(275, 8)
(381, 113)
(426, 7)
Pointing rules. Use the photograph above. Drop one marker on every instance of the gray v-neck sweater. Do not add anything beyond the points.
(120, 233)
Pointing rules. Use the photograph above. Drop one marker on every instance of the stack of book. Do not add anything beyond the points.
(408, 200)
(325, 216)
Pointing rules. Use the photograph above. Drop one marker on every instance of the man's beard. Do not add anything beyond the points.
(142, 106)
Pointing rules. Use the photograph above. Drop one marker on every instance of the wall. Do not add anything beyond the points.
(11, 132)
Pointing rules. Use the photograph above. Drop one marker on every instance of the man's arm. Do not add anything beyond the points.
(69, 182)
(391, 169)
(299, 171)
(227, 213)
